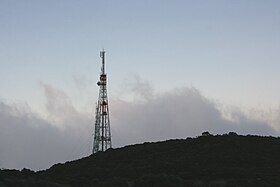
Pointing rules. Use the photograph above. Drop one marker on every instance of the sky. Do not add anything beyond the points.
(175, 69)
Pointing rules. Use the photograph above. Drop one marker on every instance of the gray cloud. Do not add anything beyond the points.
(31, 141)
(81, 82)
(140, 88)
(28, 140)
(178, 114)
(59, 107)
(134, 88)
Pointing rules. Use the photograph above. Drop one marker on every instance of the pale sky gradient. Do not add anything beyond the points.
(229, 50)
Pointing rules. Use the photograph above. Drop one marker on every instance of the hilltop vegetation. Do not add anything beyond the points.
(220, 160)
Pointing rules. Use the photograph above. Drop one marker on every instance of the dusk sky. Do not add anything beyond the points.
(176, 68)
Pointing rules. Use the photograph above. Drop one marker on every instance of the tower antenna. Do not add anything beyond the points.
(102, 134)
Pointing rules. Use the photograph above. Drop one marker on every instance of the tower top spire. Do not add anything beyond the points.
(102, 53)
(102, 56)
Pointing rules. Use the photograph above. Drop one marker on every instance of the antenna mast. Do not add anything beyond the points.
(102, 133)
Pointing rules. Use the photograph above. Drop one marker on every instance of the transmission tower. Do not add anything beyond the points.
(102, 134)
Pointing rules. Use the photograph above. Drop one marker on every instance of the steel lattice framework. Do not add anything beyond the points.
(102, 134)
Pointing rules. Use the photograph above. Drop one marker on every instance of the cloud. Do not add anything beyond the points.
(60, 109)
(32, 141)
(135, 89)
(81, 82)
(178, 114)
(140, 88)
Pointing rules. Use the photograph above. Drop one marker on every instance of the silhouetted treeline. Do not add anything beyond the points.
(208, 160)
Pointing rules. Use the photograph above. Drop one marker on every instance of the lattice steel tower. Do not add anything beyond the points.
(102, 134)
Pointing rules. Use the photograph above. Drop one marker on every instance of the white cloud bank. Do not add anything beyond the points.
(31, 141)
(178, 114)
(28, 140)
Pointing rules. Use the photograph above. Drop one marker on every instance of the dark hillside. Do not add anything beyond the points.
(222, 160)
